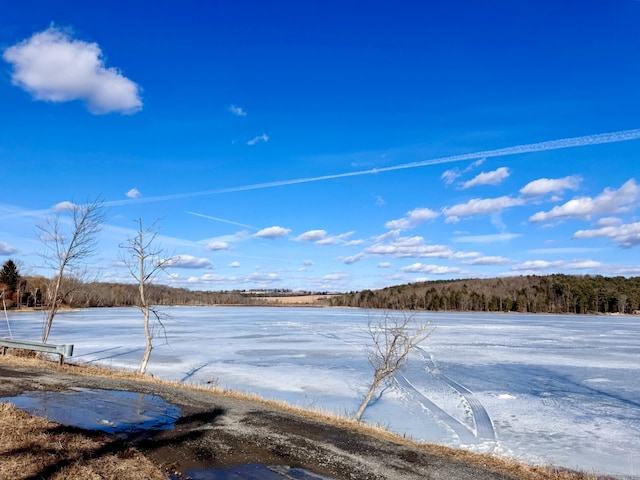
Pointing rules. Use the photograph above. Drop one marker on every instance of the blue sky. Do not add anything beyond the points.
(327, 145)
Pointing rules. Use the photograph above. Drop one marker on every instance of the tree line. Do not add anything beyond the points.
(557, 293)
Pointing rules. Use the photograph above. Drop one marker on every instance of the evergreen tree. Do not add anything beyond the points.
(9, 275)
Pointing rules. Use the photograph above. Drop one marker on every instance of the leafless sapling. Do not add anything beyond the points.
(394, 336)
(69, 243)
(145, 262)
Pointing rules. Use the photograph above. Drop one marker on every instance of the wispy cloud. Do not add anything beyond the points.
(432, 269)
(54, 67)
(237, 111)
(260, 138)
(6, 249)
(490, 238)
(537, 265)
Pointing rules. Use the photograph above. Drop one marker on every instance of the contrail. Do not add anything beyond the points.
(597, 139)
(221, 220)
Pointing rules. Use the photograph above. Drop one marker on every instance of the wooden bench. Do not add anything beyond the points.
(62, 350)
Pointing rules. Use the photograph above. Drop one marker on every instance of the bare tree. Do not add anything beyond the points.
(394, 336)
(145, 262)
(69, 243)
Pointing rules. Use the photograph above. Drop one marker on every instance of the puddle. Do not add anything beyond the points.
(253, 471)
(110, 411)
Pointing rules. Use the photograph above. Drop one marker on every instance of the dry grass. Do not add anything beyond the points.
(32, 447)
(39, 429)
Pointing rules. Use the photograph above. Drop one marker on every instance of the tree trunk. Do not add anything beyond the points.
(367, 399)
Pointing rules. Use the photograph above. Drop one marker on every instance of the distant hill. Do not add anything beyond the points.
(534, 294)
(556, 293)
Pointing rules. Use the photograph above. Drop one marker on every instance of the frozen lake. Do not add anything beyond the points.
(546, 389)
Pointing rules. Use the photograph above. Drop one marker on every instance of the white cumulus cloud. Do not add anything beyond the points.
(412, 218)
(187, 261)
(544, 186)
(488, 178)
(133, 193)
(54, 67)
(627, 235)
(216, 246)
(272, 232)
(609, 202)
(312, 236)
(478, 206)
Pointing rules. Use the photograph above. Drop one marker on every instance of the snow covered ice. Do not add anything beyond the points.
(545, 389)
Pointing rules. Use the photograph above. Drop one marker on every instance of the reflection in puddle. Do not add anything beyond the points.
(254, 471)
(110, 411)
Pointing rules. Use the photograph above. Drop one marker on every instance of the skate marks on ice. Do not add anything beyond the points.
(459, 409)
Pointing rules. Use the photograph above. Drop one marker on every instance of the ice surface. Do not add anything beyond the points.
(547, 389)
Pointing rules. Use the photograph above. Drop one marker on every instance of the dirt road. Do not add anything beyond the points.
(217, 432)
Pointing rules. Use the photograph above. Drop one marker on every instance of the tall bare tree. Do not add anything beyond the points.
(394, 336)
(145, 262)
(69, 243)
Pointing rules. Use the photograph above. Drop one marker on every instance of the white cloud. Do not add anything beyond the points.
(450, 176)
(352, 259)
(403, 247)
(478, 206)
(432, 269)
(488, 178)
(6, 249)
(260, 138)
(543, 186)
(64, 206)
(54, 67)
(490, 238)
(133, 193)
(234, 264)
(627, 235)
(384, 265)
(272, 232)
(608, 221)
(353, 243)
(487, 261)
(187, 261)
(536, 265)
(216, 245)
(308, 263)
(237, 111)
(412, 218)
(609, 202)
(312, 236)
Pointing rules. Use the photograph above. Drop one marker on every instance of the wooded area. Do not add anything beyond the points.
(556, 293)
